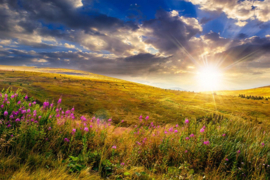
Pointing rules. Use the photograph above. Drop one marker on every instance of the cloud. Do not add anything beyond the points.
(70, 46)
(241, 11)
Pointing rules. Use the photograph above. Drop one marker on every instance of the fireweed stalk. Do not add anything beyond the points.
(30, 128)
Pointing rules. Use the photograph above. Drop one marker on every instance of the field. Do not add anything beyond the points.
(66, 124)
(107, 97)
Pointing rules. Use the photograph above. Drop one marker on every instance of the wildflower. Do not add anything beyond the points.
(11, 135)
(192, 135)
(5, 113)
(17, 120)
(49, 128)
(19, 102)
(34, 102)
(140, 117)
(176, 125)
(226, 159)
(238, 151)
(23, 111)
(12, 96)
(263, 144)
(175, 131)
(186, 121)
(73, 130)
(165, 132)
(122, 121)
(147, 117)
(109, 120)
(66, 140)
(26, 97)
(11, 116)
(72, 109)
(186, 151)
(86, 129)
(206, 142)
(171, 129)
(202, 130)
(187, 138)
(91, 126)
(2, 106)
(39, 117)
(114, 147)
(122, 164)
(51, 105)
(29, 104)
(8, 102)
(59, 101)
(28, 110)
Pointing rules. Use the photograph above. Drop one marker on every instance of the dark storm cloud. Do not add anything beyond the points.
(169, 32)
(138, 64)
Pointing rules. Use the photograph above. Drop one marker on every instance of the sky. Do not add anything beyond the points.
(189, 45)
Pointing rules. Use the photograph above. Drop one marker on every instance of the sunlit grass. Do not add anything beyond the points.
(40, 139)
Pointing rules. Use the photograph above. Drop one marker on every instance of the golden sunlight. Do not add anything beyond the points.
(209, 78)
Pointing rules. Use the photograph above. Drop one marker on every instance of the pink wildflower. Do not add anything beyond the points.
(66, 140)
(186, 121)
(59, 101)
(114, 147)
(263, 144)
(223, 135)
(5, 113)
(192, 135)
(202, 130)
(187, 138)
(86, 129)
(206, 142)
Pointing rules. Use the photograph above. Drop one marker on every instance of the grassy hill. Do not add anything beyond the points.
(261, 91)
(107, 97)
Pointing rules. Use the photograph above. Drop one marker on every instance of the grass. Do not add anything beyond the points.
(42, 141)
(97, 95)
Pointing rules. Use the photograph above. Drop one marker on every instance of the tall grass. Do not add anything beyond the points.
(40, 138)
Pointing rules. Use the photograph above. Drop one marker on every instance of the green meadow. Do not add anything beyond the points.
(67, 124)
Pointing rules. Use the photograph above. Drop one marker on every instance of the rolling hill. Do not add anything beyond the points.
(107, 97)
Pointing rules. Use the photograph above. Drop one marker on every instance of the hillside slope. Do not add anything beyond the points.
(107, 97)
(261, 91)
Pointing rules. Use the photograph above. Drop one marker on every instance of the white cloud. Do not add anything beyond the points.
(5, 42)
(39, 60)
(238, 10)
(70, 46)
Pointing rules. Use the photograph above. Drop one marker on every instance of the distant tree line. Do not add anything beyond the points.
(254, 97)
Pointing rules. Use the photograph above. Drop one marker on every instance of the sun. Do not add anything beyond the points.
(209, 78)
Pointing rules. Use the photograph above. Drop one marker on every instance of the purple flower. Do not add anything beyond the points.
(186, 121)
(26, 97)
(186, 151)
(171, 129)
(12, 96)
(202, 130)
(206, 142)
(114, 147)
(176, 125)
(59, 101)
(226, 159)
(192, 135)
(5, 113)
(73, 130)
(175, 131)
(28, 110)
(165, 132)
(17, 120)
(147, 117)
(11, 135)
(39, 117)
(86, 129)
(2, 106)
(238, 151)
(49, 128)
(29, 104)
(109, 120)
(122, 164)
(140, 117)
(11, 116)
(263, 144)
(66, 140)
(122, 121)
(34, 102)
(19, 102)
(187, 138)
(223, 135)
(72, 109)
